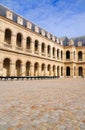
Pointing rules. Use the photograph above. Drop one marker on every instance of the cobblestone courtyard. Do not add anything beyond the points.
(57, 104)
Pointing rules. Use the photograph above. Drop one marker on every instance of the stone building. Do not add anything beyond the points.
(28, 50)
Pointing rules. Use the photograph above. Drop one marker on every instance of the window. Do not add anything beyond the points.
(80, 71)
(48, 50)
(61, 55)
(58, 53)
(36, 46)
(28, 43)
(19, 39)
(43, 48)
(67, 54)
(67, 71)
(8, 36)
(79, 55)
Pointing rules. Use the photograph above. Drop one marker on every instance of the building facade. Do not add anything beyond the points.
(28, 50)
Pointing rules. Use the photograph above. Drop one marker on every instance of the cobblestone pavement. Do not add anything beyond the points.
(57, 104)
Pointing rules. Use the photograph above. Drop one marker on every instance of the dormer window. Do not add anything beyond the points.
(79, 43)
(58, 41)
(71, 43)
(9, 15)
(61, 42)
(48, 35)
(53, 38)
(20, 20)
(29, 25)
(36, 29)
(43, 32)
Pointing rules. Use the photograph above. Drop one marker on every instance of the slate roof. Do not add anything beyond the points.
(3, 10)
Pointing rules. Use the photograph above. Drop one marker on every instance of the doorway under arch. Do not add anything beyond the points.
(18, 68)
(43, 69)
(6, 67)
(36, 69)
(28, 69)
(67, 71)
(80, 71)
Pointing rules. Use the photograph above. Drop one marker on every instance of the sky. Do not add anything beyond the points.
(58, 17)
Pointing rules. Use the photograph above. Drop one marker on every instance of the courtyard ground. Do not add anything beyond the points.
(56, 104)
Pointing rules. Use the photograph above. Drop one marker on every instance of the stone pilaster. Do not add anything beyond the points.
(24, 44)
(39, 49)
(39, 73)
(32, 46)
(23, 70)
(1, 68)
(2, 35)
(13, 40)
(32, 70)
(46, 51)
(51, 54)
(55, 71)
(46, 73)
(12, 69)
(55, 54)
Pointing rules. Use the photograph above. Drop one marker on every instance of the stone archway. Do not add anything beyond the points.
(18, 68)
(58, 71)
(80, 55)
(49, 70)
(6, 67)
(28, 69)
(61, 71)
(49, 50)
(28, 43)
(19, 40)
(68, 55)
(36, 69)
(36, 47)
(54, 70)
(80, 71)
(67, 71)
(8, 36)
(43, 69)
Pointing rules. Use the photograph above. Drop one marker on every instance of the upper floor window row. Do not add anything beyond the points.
(68, 53)
(80, 55)
(29, 25)
(19, 40)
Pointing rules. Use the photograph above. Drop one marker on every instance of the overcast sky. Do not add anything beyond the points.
(59, 17)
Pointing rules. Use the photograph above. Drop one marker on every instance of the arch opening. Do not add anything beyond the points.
(6, 67)
(28, 43)
(80, 55)
(58, 53)
(43, 69)
(18, 68)
(61, 71)
(49, 70)
(43, 48)
(8, 36)
(36, 46)
(28, 69)
(36, 69)
(54, 70)
(80, 71)
(68, 55)
(19, 39)
(58, 71)
(67, 71)
(48, 50)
